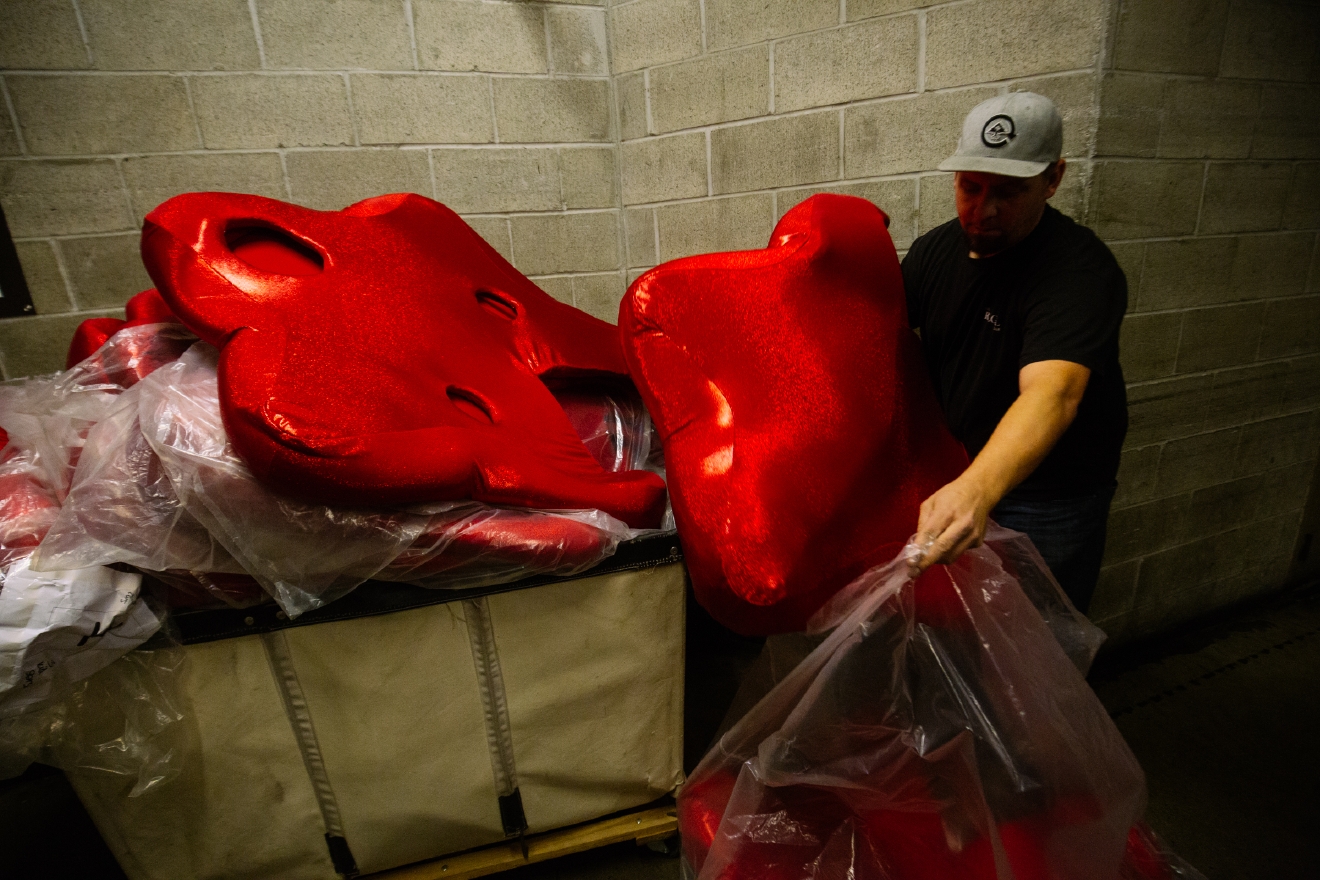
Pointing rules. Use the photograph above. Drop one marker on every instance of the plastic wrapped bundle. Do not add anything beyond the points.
(939, 731)
(161, 488)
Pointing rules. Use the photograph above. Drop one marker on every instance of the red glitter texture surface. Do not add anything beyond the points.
(385, 354)
(801, 433)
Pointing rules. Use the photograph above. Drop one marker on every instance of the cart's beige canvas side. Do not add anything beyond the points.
(400, 756)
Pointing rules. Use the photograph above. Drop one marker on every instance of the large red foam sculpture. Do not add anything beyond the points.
(800, 430)
(385, 354)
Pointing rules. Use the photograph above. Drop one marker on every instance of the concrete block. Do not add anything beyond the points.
(1146, 528)
(1070, 198)
(335, 34)
(1137, 472)
(1245, 197)
(469, 35)
(1075, 95)
(1247, 394)
(1113, 600)
(1220, 336)
(1270, 265)
(495, 230)
(867, 60)
(634, 274)
(1276, 443)
(1291, 328)
(1131, 109)
(639, 236)
(1131, 256)
(37, 345)
(1208, 120)
(988, 40)
(89, 115)
(587, 177)
(1301, 392)
(897, 198)
(649, 32)
(937, 204)
(333, 179)
(170, 34)
(711, 89)
(599, 295)
(8, 136)
(859, 9)
(1224, 506)
(577, 41)
(1171, 36)
(909, 134)
(559, 243)
(1289, 124)
(423, 108)
(487, 181)
(260, 112)
(630, 92)
(1313, 276)
(41, 35)
(1303, 208)
(1271, 40)
(1145, 198)
(41, 271)
(777, 152)
(1148, 346)
(661, 169)
(715, 225)
(1167, 408)
(740, 22)
(105, 270)
(63, 197)
(558, 286)
(552, 110)
(153, 179)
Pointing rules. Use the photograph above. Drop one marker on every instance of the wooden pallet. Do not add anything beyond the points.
(655, 823)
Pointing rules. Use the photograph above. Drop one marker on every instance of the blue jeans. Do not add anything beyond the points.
(1068, 532)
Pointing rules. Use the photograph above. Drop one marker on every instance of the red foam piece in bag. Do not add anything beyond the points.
(385, 354)
(146, 307)
(800, 430)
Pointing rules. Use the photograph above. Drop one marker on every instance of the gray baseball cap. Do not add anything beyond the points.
(1017, 135)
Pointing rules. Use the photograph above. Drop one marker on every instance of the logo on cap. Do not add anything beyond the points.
(998, 131)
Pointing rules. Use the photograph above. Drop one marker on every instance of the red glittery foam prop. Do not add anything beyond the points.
(800, 430)
(146, 307)
(385, 354)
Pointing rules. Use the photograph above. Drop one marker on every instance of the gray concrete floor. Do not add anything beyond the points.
(1224, 718)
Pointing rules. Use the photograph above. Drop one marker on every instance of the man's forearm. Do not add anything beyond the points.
(954, 518)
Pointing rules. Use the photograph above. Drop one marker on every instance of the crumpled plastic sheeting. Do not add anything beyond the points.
(160, 487)
(128, 720)
(939, 731)
(28, 506)
(60, 627)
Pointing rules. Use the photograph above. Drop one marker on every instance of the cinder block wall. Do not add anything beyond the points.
(1207, 187)
(733, 111)
(500, 109)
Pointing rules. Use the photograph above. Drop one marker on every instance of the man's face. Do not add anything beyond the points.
(996, 212)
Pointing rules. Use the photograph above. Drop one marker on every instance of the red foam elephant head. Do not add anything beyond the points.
(386, 354)
(801, 433)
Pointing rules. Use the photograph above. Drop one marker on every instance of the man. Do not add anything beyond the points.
(1019, 309)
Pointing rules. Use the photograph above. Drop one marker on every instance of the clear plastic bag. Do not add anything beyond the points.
(28, 507)
(128, 720)
(161, 488)
(940, 730)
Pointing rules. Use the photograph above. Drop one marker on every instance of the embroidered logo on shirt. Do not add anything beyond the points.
(992, 319)
(998, 131)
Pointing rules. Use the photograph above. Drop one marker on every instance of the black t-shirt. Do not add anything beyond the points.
(1057, 295)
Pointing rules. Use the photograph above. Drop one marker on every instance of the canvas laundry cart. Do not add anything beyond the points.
(400, 724)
